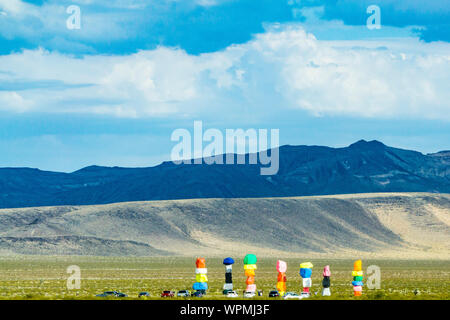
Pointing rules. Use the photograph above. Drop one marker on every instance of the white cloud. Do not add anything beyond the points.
(46, 24)
(282, 69)
(16, 7)
(12, 101)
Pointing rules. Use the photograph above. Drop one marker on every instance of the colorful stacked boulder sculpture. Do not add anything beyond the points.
(357, 278)
(249, 268)
(326, 281)
(201, 277)
(281, 280)
(228, 286)
(305, 273)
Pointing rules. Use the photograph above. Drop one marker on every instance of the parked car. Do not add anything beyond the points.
(121, 295)
(232, 294)
(274, 294)
(291, 295)
(183, 293)
(143, 294)
(112, 294)
(167, 294)
(305, 295)
(198, 294)
(107, 294)
(249, 294)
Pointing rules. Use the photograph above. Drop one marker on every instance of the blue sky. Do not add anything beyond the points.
(112, 92)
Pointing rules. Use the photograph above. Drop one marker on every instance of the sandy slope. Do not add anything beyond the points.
(400, 225)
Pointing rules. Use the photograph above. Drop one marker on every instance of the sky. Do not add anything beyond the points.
(112, 91)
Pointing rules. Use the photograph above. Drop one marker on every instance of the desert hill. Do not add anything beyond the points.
(401, 225)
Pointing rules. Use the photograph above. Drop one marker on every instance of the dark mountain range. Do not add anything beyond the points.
(304, 170)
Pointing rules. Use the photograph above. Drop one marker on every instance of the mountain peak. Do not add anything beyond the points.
(92, 167)
(367, 144)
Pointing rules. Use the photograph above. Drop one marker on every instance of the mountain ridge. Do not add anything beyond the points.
(364, 166)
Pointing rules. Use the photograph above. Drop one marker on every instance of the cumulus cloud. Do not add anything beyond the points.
(360, 79)
(282, 69)
(12, 101)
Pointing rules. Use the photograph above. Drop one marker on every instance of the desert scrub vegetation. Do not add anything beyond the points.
(45, 277)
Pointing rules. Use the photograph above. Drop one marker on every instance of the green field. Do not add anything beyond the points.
(44, 277)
